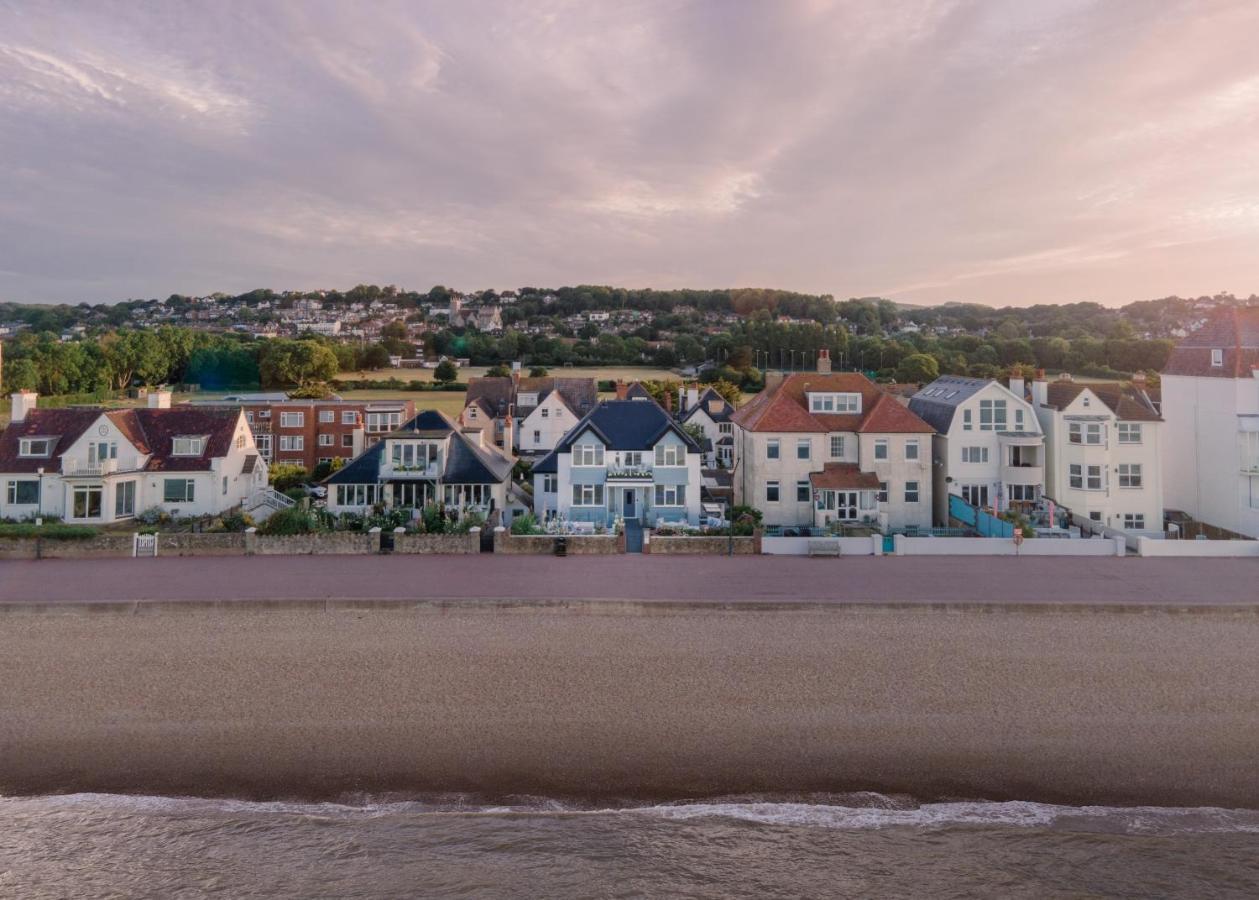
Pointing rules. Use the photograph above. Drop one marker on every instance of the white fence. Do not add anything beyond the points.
(799, 546)
(979, 546)
(1152, 547)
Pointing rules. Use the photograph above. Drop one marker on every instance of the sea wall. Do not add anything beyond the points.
(99, 547)
(1116, 705)
(544, 544)
(438, 543)
(328, 543)
(225, 544)
(660, 544)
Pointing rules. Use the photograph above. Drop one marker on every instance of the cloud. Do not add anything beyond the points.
(929, 149)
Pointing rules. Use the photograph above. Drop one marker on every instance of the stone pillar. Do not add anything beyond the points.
(251, 541)
(500, 538)
(374, 540)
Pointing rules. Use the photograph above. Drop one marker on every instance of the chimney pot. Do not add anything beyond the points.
(824, 361)
(22, 403)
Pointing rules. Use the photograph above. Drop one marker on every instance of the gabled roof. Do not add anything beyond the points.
(496, 394)
(723, 414)
(620, 425)
(784, 408)
(936, 403)
(1127, 402)
(1233, 330)
(150, 430)
(465, 462)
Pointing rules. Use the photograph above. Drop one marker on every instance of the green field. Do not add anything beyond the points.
(600, 373)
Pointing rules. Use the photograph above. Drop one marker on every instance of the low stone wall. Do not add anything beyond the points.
(101, 546)
(544, 544)
(437, 543)
(700, 545)
(334, 543)
(225, 544)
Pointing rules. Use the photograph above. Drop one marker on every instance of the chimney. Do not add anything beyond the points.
(159, 399)
(1040, 389)
(692, 398)
(515, 372)
(668, 402)
(824, 362)
(23, 402)
(509, 430)
(621, 389)
(682, 405)
(773, 380)
(1017, 386)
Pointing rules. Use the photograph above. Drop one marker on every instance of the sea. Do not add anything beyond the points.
(846, 845)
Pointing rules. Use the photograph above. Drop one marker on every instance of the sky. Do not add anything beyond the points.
(923, 150)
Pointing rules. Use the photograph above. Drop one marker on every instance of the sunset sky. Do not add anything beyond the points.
(998, 152)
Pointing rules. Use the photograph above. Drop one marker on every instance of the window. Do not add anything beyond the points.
(725, 428)
(975, 494)
(1128, 432)
(803, 492)
(1018, 420)
(537, 436)
(98, 452)
(249, 417)
(966, 421)
(378, 422)
(347, 440)
(1095, 478)
(179, 490)
(358, 494)
(771, 448)
(1217, 358)
(992, 415)
(412, 455)
(1134, 521)
(23, 493)
(911, 449)
(837, 446)
(87, 502)
(1077, 476)
(974, 454)
(327, 416)
(325, 440)
(292, 419)
(670, 455)
(263, 442)
(804, 447)
(1095, 515)
(588, 494)
(1087, 433)
(546, 413)
(880, 448)
(292, 442)
(771, 492)
(670, 495)
(466, 494)
(588, 455)
(34, 446)
(1023, 492)
(264, 413)
(882, 491)
(187, 446)
(550, 484)
(835, 403)
(224, 484)
(349, 417)
(911, 492)
(1129, 475)
(240, 442)
(124, 499)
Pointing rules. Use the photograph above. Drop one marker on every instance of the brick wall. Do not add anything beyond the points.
(101, 546)
(700, 545)
(437, 543)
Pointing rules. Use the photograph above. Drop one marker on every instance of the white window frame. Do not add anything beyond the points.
(837, 446)
(1128, 432)
(911, 450)
(187, 446)
(1131, 476)
(1075, 476)
(773, 450)
(804, 492)
(1217, 358)
(804, 449)
(882, 450)
(12, 488)
(974, 454)
(1134, 521)
(772, 487)
(587, 456)
(913, 492)
(292, 443)
(327, 416)
(292, 419)
(1090, 478)
(586, 495)
(988, 418)
(670, 495)
(349, 417)
(326, 439)
(189, 492)
(670, 456)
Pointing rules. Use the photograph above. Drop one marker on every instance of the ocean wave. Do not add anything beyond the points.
(861, 811)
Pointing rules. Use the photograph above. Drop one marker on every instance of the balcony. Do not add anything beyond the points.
(629, 475)
(420, 473)
(1023, 473)
(76, 468)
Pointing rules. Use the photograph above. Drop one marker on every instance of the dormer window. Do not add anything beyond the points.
(841, 404)
(187, 446)
(1217, 358)
(34, 447)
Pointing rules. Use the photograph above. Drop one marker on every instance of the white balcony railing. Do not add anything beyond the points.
(87, 468)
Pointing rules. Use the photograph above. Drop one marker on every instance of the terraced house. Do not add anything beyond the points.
(826, 448)
(626, 459)
(95, 466)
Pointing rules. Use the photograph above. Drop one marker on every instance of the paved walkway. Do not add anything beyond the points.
(765, 579)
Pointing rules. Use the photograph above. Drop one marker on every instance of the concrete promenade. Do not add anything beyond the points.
(674, 579)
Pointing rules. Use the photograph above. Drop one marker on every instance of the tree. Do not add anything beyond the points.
(498, 371)
(728, 390)
(446, 372)
(284, 363)
(917, 368)
(537, 372)
(376, 357)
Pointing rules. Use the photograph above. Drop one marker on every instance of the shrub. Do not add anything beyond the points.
(293, 520)
(468, 522)
(526, 524)
(52, 532)
(286, 476)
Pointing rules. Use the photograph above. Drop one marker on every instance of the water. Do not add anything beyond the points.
(856, 845)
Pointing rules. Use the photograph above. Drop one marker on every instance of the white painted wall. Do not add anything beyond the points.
(799, 546)
(552, 419)
(1185, 549)
(977, 546)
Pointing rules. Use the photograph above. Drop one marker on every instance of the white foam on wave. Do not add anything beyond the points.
(866, 812)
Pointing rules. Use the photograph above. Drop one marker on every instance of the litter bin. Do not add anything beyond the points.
(561, 546)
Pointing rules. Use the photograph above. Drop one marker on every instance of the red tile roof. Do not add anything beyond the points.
(784, 408)
(1233, 331)
(844, 477)
(1123, 400)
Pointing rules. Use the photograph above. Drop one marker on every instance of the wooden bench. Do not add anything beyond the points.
(824, 547)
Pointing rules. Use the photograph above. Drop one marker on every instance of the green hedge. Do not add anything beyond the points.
(52, 532)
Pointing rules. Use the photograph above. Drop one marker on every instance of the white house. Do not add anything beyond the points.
(626, 459)
(1104, 452)
(528, 416)
(95, 466)
(711, 412)
(822, 449)
(1210, 404)
(988, 447)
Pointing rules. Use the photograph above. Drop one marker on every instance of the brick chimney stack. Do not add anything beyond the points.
(621, 389)
(668, 402)
(824, 362)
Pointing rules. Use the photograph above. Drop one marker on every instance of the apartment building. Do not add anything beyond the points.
(1210, 404)
(308, 432)
(827, 448)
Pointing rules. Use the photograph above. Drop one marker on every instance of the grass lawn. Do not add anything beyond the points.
(601, 373)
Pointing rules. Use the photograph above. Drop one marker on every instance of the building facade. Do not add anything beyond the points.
(626, 459)
(988, 449)
(527, 416)
(825, 449)
(96, 466)
(710, 412)
(1210, 404)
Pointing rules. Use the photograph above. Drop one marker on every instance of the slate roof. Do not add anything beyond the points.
(936, 403)
(784, 408)
(1233, 330)
(465, 462)
(621, 425)
(497, 394)
(844, 477)
(1124, 400)
(723, 414)
(150, 430)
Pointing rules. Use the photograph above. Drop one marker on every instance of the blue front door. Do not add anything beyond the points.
(629, 504)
